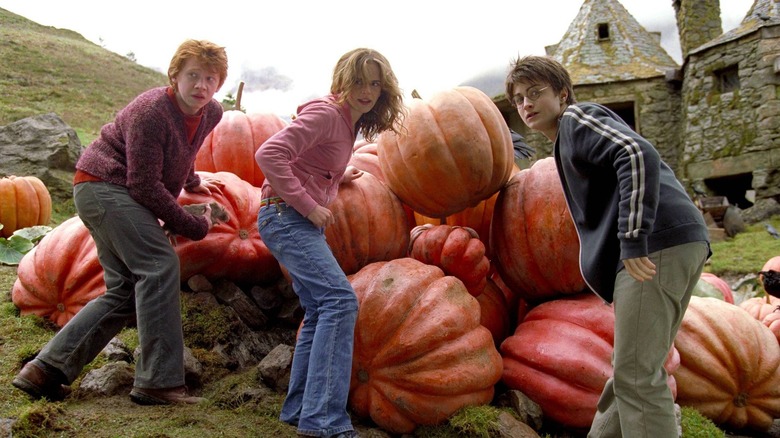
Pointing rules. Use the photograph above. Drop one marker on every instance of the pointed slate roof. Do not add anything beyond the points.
(630, 52)
(762, 13)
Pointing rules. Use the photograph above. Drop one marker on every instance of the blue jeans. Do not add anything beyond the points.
(322, 364)
(141, 271)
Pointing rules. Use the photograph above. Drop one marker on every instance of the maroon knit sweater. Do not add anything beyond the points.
(146, 150)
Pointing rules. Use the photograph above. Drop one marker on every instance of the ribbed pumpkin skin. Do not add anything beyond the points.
(454, 152)
(760, 307)
(24, 202)
(729, 365)
(456, 250)
(232, 250)
(231, 146)
(420, 351)
(371, 224)
(478, 218)
(533, 240)
(560, 357)
(60, 275)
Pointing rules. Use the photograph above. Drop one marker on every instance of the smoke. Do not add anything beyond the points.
(266, 78)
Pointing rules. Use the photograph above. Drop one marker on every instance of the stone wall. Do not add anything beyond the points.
(734, 132)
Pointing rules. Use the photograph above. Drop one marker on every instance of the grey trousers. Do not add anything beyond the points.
(636, 401)
(141, 271)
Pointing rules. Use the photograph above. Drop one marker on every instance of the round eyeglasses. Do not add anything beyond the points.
(518, 100)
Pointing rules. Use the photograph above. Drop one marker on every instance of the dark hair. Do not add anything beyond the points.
(538, 70)
(389, 110)
(209, 54)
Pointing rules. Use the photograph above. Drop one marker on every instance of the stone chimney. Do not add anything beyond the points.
(698, 22)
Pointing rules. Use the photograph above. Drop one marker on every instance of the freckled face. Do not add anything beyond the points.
(195, 86)
(364, 95)
(539, 107)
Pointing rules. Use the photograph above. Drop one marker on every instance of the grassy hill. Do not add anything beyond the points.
(46, 69)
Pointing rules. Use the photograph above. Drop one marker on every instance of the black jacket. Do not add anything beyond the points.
(624, 200)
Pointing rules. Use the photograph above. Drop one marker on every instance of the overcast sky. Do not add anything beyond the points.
(285, 50)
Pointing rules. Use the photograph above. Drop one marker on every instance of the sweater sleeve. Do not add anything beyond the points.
(604, 143)
(278, 155)
(147, 137)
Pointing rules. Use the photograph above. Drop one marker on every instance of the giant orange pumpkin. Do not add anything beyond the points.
(560, 357)
(60, 275)
(532, 237)
(232, 250)
(24, 202)
(729, 365)
(420, 351)
(371, 224)
(454, 151)
(231, 146)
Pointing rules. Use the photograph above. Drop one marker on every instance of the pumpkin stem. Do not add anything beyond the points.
(415, 94)
(238, 95)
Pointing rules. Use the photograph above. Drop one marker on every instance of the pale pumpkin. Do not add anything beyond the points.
(420, 351)
(24, 202)
(455, 151)
(60, 275)
(729, 365)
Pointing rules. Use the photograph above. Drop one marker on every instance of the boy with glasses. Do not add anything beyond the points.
(643, 242)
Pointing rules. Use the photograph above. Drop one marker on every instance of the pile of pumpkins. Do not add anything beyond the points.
(466, 272)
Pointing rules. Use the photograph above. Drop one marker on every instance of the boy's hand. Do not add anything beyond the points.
(641, 268)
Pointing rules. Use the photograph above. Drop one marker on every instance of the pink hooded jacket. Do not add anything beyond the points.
(304, 163)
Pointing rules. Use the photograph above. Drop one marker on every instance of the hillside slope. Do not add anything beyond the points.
(46, 69)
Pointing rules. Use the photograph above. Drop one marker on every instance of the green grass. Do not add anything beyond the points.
(45, 69)
(746, 252)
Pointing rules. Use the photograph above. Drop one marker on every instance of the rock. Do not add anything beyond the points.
(43, 146)
(231, 295)
(510, 427)
(274, 369)
(114, 378)
(116, 351)
(528, 411)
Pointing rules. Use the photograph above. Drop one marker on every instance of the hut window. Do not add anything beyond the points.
(728, 79)
(603, 31)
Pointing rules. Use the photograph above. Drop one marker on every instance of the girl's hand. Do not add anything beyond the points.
(321, 217)
(350, 174)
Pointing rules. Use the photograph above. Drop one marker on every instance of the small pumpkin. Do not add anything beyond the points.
(455, 151)
(24, 202)
(532, 237)
(231, 250)
(420, 351)
(760, 307)
(772, 321)
(729, 362)
(60, 275)
(478, 218)
(232, 144)
(456, 250)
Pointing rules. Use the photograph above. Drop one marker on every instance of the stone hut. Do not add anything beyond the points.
(715, 119)
(731, 101)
